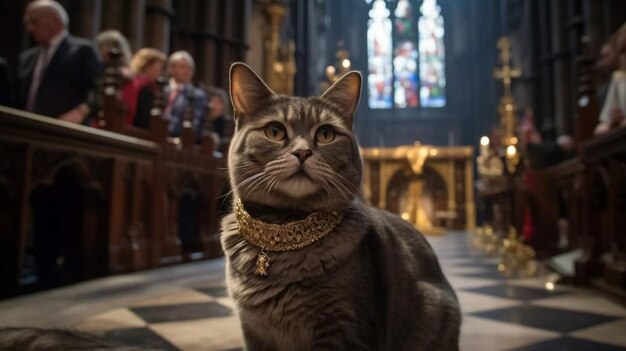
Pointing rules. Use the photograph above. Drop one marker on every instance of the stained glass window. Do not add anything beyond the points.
(379, 56)
(406, 61)
(432, 56)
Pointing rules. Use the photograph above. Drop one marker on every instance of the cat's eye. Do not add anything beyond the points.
(275, 131)
(325, 134)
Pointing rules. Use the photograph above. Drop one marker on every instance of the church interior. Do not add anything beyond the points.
(497, 128)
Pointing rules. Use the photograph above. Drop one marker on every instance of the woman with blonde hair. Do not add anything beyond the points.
(613, 112)
(147, 65)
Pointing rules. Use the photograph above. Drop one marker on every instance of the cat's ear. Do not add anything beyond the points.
(346, 93)
(247, 89)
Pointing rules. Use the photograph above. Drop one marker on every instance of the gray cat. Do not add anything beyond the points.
(309, 265)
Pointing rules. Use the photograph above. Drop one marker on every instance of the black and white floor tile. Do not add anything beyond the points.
(194, 312)
(521, 314)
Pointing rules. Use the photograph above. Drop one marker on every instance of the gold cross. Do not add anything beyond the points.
(506, 72)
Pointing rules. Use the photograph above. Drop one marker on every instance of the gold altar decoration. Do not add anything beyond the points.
(489, 164)
(493, 161)
(486, 239)
(342, 66)
(279, 59)
(507, 107)
(496, 168)
(516, 258)
(451, 164)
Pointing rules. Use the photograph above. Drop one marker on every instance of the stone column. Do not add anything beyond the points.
(158, 24)
(562, 69)
(113, 14)
(208, 57)
(592, 11)
(135, 22)
(90, 18)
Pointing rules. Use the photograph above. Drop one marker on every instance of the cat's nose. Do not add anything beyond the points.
(302, 154)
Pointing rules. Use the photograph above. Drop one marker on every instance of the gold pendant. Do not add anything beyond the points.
(262, 263)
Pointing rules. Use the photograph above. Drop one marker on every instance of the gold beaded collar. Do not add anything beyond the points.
(283, 237)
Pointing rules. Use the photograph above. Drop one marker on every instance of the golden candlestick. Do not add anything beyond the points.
(516, 258)
(506, 72)
(507, 107)
(280, 62)
(334, 72)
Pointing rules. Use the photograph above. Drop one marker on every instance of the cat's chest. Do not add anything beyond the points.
(298, 307)
(302, 301)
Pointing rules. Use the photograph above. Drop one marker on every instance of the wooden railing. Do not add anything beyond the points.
(577, 204)
(79, 202)
(604, 209)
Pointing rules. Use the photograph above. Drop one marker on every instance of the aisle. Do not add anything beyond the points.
(186, 307)
(521, 314)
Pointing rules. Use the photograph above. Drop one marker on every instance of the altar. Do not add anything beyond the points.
(429, 186)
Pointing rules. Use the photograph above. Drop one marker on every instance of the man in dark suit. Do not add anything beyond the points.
(55, 77)
(183, 98)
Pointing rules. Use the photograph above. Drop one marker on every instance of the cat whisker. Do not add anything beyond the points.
(343, 191)
(263, 180)
(273, 186)
(243, 176)
(246, 171)
(339, 185)
(239, 180)
(268, 185)
(319, 177)
(278, 168)
(248, 181)
(327, 188)
(339, 180)
(243, 164)
(276, 182)
(343, 179)
(245, 191)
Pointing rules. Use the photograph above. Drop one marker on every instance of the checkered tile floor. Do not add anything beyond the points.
(520, 314)
(195, 312)
(499, 314)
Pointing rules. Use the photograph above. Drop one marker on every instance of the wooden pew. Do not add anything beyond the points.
(186, 178)
(604, 219)
(122, 204)
(568, 181)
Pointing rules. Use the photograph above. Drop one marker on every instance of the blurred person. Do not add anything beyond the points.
(544, 153)
(613, 112)
(138, 94)
(108, 42)
(181, 93)
(217, 117)
(114, 52)
(605, 65)
(56, 76)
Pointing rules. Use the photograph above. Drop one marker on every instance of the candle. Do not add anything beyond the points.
(484, 146)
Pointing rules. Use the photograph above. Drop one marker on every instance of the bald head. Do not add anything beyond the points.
(44, 19)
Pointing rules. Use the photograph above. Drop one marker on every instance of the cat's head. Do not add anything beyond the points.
(293, 152)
